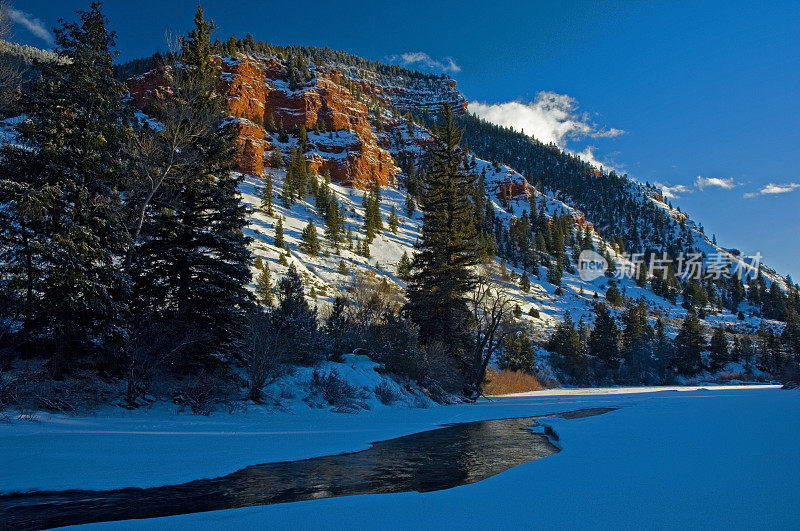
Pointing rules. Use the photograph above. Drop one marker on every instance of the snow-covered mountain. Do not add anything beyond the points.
(360, 126)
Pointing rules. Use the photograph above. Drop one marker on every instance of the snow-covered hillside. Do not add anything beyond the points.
(327, 277)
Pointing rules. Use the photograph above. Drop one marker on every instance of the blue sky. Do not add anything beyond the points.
(701, 97)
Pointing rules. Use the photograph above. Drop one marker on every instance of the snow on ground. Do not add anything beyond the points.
(583, 391)
(698, 458)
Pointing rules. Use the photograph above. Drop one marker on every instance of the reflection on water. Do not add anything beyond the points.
(431, 460)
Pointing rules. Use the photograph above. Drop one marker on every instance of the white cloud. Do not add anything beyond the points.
(673, 192)
(34, 25)
(608, 133)
(550, 118)
(425, 61)
(725, 184)
(700, 183)
(774, 189)
(587, 155)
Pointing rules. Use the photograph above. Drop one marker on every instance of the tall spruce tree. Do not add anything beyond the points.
(194, 264)
(689, 345)
(720, 354)
(442, 273)
(566, 344)
(393, 220)
(279, 240)
(264, 286)
(266, 198)
(663, 352)
(637, 338)
(309, 242)
(62, 223)
(604, 339)
(296, 323)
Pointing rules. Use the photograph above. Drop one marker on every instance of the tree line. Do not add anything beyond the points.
(636, 352)
(120, 234)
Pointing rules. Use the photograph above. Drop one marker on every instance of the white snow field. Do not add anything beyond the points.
(710, 458)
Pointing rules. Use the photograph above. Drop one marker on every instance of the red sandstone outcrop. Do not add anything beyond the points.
(257, 93)
(515, 189)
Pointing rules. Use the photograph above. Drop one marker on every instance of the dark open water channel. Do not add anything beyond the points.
(430, 460)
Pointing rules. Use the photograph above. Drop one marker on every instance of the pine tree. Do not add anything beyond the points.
(404, 267)
(230, 46)
(637, 340)
(393, 221)
(554, 274)
(566, 344)
(62, 231)
(442, 272)
(525, 283)
(689, 345)
(283, 136)
(411, 206)
(294, 322)
(294, 184)
(302, 138)
(322, 198)
(663, 352)
(279, 242)
(310, 242)
(718, 346)
(604, 338)
(613, 296)
(694, 295)
(373, 223)
(333, 217)
(264, 286)
(266, 198)
(276, 159)
(518, 353)
(287, 192)
(791, 335)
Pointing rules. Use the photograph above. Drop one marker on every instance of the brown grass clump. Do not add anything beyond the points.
(508, 382)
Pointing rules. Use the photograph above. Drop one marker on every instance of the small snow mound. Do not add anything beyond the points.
(351, 385)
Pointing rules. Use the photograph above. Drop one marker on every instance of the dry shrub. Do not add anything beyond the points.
(508, 382)
(386, 393)
(333, 389)
(31, 390)
(728, 376)
(205, 392)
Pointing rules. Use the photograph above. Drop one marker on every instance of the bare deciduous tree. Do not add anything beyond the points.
(10, 71)
(491, 311)
(267, 351)
(372, 298)
(154, 345)
(161, 148)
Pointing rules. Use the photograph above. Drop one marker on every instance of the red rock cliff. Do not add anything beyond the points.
(257, 90)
